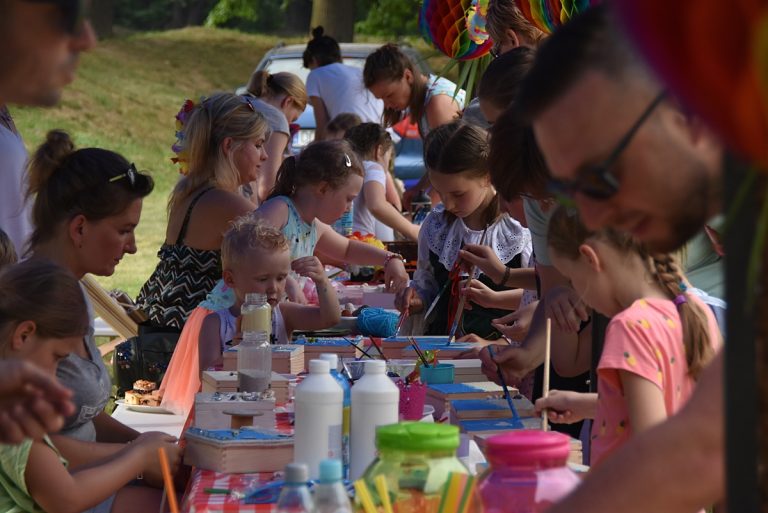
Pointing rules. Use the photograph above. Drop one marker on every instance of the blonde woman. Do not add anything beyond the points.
(281, 98)
(222, 144)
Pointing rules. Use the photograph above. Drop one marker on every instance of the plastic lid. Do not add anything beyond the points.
(528, 448)
(332, 359)
(296, 473)
(319, 367)
(330, 471)
(418, 437)
(375, 367)
(255, 298)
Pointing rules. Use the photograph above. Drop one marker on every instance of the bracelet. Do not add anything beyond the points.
(505, 279)
(390, 256)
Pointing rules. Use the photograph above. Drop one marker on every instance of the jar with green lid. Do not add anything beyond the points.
(416, 459)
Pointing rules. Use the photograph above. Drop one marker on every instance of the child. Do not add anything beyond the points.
(43, 318)
(314, 190)
(372, 212)
(7, 250)
(658, 341)
(256, 258)
(339, 125)
(470, 214)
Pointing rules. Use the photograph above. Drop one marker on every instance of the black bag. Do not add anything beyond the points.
(145, 356)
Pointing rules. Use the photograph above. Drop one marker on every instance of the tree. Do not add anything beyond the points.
(336, 16)
(102, 17)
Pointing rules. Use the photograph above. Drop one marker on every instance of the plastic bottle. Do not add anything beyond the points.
(254, 362)
(333, 361)
(295, 497)
(528, 472)
(330, 494)
(256, 314)
(375, 401)
(318, 423)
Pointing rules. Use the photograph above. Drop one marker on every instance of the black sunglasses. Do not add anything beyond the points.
(597, 181)
(74, 13)
(130, 174)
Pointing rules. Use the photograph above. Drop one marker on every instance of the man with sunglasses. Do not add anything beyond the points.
(41, 42)
(630, 158)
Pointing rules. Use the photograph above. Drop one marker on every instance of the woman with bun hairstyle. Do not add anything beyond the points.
(280, 98)
(221, 148)
(86, 204)
(333, 87)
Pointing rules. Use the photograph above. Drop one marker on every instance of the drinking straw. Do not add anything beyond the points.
(468, 494)
(516, 422)
(383, 489)
(359, 348)
(361, 489)
(168, 479)
(547, 354)
(463, 298)
(449, 502)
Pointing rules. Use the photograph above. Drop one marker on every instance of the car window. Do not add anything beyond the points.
(296, 66)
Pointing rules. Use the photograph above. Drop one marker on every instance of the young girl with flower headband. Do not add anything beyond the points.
(658, 341)
(43, 318)
(470, 214)
(220, 148)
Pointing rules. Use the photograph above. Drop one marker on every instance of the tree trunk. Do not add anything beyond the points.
(336, 16)
(103, 17)
(298, 14)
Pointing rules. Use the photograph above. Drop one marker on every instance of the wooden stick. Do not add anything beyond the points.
(168, 479)
(547, 357)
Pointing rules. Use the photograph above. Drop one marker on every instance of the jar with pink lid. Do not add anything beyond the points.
(527, 472)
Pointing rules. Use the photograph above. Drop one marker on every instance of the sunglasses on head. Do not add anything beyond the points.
(130, 174)
(74, 13)
(598, 181)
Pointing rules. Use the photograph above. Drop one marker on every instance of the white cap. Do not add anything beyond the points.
(319, 367)
(375, 367)
(332, 359)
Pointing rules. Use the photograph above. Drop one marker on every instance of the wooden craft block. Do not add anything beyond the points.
(288, 359)
(400, 347)
(219, 381)
(439, 396)
(230, 359)
(314, 347)
(237, 452)
(476, 409)
(209, 412)
(467, 371)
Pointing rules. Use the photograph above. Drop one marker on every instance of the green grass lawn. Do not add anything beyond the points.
(125, 98)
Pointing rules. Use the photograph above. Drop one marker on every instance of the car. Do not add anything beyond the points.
(409, 162)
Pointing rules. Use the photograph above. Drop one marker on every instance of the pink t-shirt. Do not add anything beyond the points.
(645, 339)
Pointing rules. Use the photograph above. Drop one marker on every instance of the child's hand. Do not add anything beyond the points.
(485, 259)
(566, 309)
(479, 294)
(471, 337)
(311, 267)
(516, 325)
(567, 407)
(395, 275)
(408, 298)
(294, 292)
(149, 443)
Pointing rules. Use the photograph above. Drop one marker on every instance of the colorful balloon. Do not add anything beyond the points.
(547, 15)
(456, 27)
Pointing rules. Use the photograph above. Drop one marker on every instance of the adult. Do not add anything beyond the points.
(42, 42)
(334, 87)
(14, 211)
(644, 165)
(222, 143)
(429, 101)
(281, 98)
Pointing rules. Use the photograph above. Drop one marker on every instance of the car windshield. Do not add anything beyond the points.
(295, 65)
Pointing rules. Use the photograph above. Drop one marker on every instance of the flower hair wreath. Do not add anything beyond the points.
(182, 154)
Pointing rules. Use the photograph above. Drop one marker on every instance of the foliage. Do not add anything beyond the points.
(247, 15)
(144, 14)
(391, 18)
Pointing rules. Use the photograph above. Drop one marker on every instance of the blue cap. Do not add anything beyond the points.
(330, 471)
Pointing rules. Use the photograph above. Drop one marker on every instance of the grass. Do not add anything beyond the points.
(126, 95)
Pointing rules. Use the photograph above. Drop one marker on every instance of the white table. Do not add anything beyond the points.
(143, 422)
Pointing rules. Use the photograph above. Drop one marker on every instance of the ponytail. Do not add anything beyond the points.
(286, 176)
(696, 336)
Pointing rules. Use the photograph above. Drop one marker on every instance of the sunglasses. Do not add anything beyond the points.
(130, 174)
(598, 181)
(74, 13)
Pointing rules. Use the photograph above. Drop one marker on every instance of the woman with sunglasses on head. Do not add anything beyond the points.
(220, 148)
(281, 98)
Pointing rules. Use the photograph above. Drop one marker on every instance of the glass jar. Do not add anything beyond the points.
(256, 314)
(527, 472)
(254, 362)
(416, 459)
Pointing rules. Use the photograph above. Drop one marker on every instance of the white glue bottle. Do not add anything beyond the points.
(318, 403)
(375, 401)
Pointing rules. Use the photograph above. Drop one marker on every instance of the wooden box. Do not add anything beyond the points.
(314, 347)
(439, 396)
(209, 411)
(286, 359)
(476, 409)
(219, 381)
(238, 452)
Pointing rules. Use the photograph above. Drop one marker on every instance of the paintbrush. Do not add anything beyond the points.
(463, 298)
(419, 353)
(403, 316)
(359, 348)
(516, 422)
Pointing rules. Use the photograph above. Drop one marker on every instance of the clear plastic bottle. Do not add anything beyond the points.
(256, 314)
(295, 497)
(254, 362)
(333, 362)
(527, 473)
(330, 494)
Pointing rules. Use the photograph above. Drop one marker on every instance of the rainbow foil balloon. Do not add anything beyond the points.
(547, 15)
(456, 27)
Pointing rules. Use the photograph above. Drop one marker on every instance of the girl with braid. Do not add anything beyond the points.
(660, 337)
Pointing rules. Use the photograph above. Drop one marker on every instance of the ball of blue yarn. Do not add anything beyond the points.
(377, 322)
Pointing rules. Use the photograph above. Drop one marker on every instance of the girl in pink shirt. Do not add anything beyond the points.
(658, 341)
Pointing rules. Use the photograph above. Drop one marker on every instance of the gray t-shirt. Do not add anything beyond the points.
(275, 118)
(538, 223)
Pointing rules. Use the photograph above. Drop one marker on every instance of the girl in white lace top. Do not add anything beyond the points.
(470, 209)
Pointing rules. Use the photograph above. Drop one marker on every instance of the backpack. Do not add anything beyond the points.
(145, 356)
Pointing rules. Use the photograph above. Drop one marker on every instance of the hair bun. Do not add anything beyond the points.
(48, 157)
(57, 146)
(318, 32)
